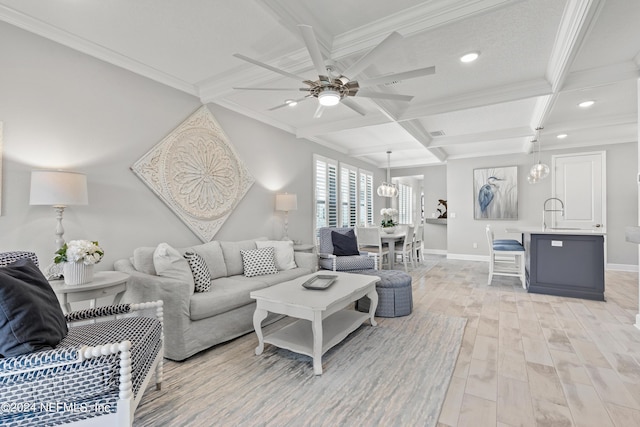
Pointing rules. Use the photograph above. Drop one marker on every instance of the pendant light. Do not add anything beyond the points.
(387, 189)
(538, 171)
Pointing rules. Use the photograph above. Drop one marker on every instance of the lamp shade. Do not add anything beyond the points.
(286, 202)
(58, 188)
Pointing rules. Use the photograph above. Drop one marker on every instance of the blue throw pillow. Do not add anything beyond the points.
(344, 244)
(30, 315)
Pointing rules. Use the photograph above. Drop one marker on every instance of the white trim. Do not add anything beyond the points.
(80, 44)
(435, 251)
(622, 267)
(468, 257)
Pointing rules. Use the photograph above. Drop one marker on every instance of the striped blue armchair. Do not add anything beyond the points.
(94, 377)
(328, 261)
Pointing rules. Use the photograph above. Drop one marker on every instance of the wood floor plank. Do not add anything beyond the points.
(514, 403)
(549, 414)
(477, 412)
(545, 384)
(586, 407)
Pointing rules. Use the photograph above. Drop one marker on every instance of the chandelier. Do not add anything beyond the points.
(387, 189)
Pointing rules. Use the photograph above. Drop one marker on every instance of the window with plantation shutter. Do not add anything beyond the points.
(348, 196)
(405, 204)
(365, 198)
(326, 192)
(343, 194)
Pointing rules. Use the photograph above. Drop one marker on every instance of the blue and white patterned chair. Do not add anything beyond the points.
(328, 261)
(94, 377)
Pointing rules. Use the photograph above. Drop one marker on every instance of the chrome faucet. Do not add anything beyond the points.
(545, 210)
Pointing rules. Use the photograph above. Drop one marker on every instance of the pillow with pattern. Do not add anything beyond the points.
(200, 271)
(257, 262)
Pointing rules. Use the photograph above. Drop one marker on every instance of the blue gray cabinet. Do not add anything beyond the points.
(565, 265)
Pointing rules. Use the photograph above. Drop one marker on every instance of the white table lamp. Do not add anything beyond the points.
(58, 189)
(286, 202)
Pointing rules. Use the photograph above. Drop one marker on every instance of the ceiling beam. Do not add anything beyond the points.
(481, 98)
(377, 149)
(601, 76)
(496, 135)
(576, 23)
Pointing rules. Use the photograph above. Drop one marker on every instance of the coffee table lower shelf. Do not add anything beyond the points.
(298, 336)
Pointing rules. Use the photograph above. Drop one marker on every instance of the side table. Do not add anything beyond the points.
(104, 283)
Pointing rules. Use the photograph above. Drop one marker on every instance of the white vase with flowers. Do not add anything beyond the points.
(78, 258)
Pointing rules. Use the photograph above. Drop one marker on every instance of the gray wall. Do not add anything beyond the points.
(622, 201)
(63, 109)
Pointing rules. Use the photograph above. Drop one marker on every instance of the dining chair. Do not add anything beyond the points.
(370, 240)
(418, 244)
(404, 249)
(506, 258)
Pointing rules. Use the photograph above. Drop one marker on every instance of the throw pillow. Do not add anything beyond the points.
(257, 262)
(344, 244)
(169, 262)
(283, 252)
(200, 272)
(30, 315)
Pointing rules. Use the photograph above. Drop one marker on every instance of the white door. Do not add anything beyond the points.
(579, 181)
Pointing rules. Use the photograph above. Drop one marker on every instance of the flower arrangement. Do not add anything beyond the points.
(86, 251)
(387, 217)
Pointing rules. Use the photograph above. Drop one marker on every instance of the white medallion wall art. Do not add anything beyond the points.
(496, 193)
(197, 173)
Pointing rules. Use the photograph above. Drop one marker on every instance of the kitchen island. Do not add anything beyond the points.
(564, 262)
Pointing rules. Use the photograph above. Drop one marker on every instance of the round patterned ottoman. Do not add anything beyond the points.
(395, 297)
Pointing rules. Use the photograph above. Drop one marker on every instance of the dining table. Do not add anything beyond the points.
(390, 239)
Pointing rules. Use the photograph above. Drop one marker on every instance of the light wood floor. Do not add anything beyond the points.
(537, 360)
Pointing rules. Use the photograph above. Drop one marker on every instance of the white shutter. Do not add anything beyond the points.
(405, 204)
(365, 199)
(348, 196)
(326, 192)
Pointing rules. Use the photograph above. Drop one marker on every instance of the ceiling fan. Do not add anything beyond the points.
(331, 88)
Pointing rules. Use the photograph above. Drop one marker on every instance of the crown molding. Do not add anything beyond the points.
(254, 115)
(72, 41)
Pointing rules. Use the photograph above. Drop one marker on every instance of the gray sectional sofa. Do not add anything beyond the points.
(194, 321)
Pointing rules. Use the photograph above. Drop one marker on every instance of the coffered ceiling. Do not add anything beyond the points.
(538, 60)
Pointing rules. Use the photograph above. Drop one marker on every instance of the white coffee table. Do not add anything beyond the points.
(324, 320)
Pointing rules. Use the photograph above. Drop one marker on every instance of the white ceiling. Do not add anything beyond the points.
(538, 60)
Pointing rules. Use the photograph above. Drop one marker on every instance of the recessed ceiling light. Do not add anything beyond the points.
(469, 57)
(291, 102)
(586, 104)
(562, 136)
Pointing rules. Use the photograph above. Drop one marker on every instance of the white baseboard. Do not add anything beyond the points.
(468, 257)
(435, 251)
(622, 267)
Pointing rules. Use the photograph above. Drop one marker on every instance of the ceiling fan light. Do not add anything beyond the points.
(329, 98)
(469, 57)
